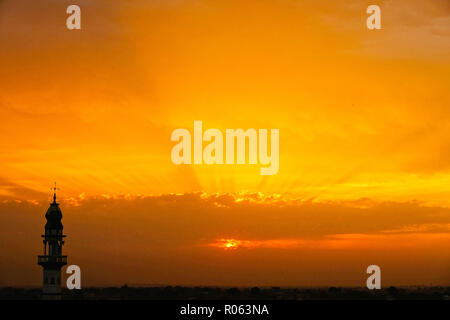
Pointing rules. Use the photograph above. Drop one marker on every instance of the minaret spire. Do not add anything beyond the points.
(54, 193)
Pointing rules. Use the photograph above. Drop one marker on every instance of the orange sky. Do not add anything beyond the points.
(363, 117)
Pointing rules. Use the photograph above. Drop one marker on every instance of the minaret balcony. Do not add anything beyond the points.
(52, 260)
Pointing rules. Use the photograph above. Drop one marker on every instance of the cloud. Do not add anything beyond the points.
(140, 239)
(13, 190)
(404, 239)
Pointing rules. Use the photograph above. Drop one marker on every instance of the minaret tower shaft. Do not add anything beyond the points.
(52, 261)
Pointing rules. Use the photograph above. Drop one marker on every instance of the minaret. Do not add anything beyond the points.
(52, 260)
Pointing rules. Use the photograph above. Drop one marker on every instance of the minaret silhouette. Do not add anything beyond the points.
(52, 260)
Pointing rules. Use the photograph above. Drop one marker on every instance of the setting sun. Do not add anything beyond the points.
(230, 243)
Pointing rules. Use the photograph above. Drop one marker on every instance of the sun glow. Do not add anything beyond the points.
(229, 244)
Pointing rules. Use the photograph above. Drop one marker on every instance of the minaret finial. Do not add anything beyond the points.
(54, 193)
